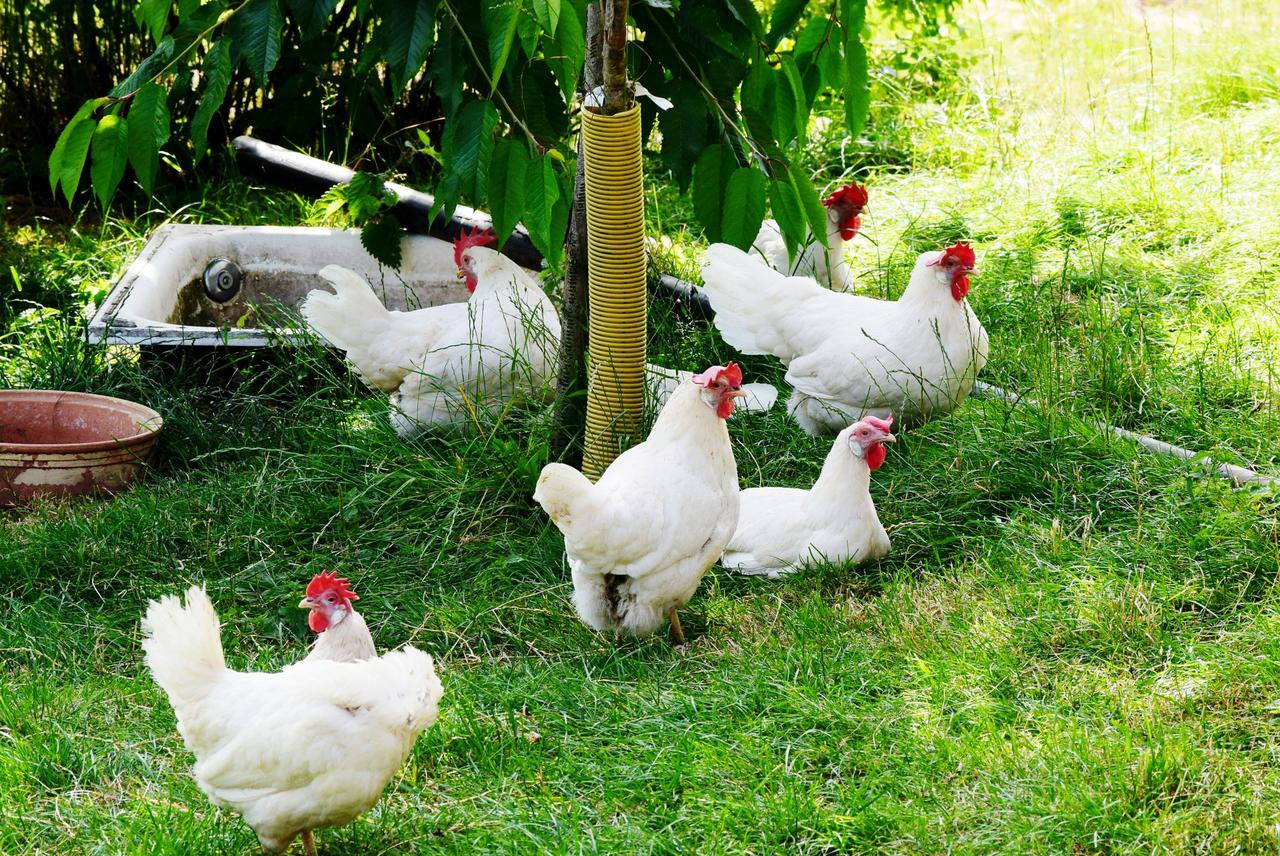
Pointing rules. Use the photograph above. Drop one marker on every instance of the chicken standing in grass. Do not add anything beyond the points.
(835, 520)
(640, 539)
(849, 356)
(310, 746)
(444, 363)
(825, 264)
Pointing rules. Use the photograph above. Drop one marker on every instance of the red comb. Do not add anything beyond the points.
(477, 237)
(732, 373)
(852, 195)
(878, 423)
(329, 580)
(961, 252)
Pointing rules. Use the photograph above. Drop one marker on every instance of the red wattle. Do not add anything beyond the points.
(875, 456)
(472, 282)
(960, 287)
(317, 621)
(725, 408)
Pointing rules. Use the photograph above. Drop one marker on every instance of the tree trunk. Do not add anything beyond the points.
(571, 389)
(617, 94)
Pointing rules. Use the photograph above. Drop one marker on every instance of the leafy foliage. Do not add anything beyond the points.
(502, 73)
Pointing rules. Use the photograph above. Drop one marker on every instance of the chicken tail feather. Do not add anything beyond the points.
(183, 645)
(746, 296)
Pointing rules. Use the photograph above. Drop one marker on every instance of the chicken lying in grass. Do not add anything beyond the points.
(310, 746)
(835, 520)
(444, 363)
(849, 356)
(825, 264)
(640, 539)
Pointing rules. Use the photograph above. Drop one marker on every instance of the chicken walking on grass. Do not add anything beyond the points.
(780, 528)
(640, 539)
(310, 746)
(849, 356)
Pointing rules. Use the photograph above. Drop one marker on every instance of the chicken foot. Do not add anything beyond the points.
(308, 843)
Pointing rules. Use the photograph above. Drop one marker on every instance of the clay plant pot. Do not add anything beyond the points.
(55, 443)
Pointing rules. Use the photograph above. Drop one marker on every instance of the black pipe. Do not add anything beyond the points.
(313, 177)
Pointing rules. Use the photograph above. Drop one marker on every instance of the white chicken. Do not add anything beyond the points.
(849, 356)
(310, 746)
(641, 538)
(662, 382)
(780, 528)
(443, 363)
(341, 634)
(825, 264)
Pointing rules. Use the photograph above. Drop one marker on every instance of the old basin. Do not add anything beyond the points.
(55, 443)
(164, 301)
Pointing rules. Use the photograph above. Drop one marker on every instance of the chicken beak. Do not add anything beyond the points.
(736, 393)
(889, 438)
(306, 603)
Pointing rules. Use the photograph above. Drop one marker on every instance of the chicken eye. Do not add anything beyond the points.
(331, 599)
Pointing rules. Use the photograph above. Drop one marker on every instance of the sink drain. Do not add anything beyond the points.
(222, 278)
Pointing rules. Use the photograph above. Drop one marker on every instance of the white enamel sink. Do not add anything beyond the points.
(161, 299)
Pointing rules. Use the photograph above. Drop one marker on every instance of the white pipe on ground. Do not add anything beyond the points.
(1240, 476)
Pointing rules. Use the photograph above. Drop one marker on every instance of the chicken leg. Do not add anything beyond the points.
(677, 633)
(308, 843)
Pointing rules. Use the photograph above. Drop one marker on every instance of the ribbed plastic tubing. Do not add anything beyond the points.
(616, 299)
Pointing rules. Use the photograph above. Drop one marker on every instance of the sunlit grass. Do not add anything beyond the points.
(1071, 648)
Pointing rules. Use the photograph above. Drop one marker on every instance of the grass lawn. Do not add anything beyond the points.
(1073, 647)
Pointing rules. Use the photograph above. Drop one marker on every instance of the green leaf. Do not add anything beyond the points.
(408, 29)
(507, 177)
(789, 213)
(500, 20)
(365, 195)
(148, 132)
(528, 31)
(787, 105)
(790, 88)
(66, 161)
(710, 180)
(745, 12)
(812, 38)
(685, 129)
(383, 238)
(147, 69)
(154, 15)
(814, 211)
(786, 14)
(110, 156)
(853, 16)
(541, 193)
(256, 29)
(217, 76)
(548, 15)
(468, 146)
(743, 207)
(571, 44)
(857, 93)
(312, 15)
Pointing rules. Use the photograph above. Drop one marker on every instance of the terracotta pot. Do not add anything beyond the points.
(55, 443)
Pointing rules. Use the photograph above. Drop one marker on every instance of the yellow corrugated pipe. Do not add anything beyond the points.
(616, 272)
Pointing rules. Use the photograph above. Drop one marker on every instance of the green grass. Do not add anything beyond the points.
(1071, 648)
